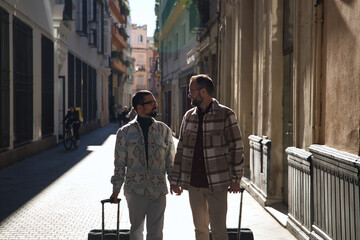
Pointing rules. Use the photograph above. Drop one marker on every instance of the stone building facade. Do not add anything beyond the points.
(121, 77)
(51, 61)
(141, 52)
(292, 71)
(289, 69)
(177, 43)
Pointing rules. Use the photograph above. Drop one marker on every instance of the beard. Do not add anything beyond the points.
(195, 102)
(153, 113)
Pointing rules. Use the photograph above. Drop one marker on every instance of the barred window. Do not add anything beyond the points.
(47, 87)
(4, 80)
(23, 82)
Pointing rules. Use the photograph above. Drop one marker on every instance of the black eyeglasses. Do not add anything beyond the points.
(152, 102)
(191, 91)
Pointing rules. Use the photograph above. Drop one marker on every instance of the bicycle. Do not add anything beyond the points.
(69, 137)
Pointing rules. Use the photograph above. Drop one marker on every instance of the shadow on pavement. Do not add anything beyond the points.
(22, 181)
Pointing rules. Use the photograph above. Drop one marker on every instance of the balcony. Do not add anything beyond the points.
(115, 10)
(117, 39)
(167, 10)
(117, 65)
(140, 68)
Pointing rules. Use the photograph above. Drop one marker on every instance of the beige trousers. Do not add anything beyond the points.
(209, 207)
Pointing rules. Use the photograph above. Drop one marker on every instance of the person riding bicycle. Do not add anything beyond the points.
(72, 117)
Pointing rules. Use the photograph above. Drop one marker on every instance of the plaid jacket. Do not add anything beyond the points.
(222, 144)
(143, 177)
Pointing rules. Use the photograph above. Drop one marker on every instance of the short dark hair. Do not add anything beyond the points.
(204, 81)
(138, 97)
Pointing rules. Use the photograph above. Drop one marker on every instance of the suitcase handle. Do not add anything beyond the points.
(110, 201)
(242, 189)
(103, 218)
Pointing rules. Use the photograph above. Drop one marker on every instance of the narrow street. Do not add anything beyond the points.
(56, 195)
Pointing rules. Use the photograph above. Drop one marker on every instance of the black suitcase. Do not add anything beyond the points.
(102, 234)
(245, 233)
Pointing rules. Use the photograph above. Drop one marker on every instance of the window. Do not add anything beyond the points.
(140, 84)
(151, 60)
(170, 49)
(71, 77)
(140, 38)
(4, 80)
(23, 82)
(141, 60)
(164, 53)
(100, 26)
(81, 17)
(92, 94)
(91, 10)
(176, 50)
(194, 16)
(82, 87)
(92, 25)
(67, 13)
(85, 99)
(95, 26)
(184, 35)
(47, 87)
(78, 83)
(141, 79)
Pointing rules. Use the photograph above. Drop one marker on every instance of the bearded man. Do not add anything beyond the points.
(209, 159)
(144, 152)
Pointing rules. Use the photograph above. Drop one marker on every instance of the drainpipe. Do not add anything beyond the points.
(317, 84)
(218, 48)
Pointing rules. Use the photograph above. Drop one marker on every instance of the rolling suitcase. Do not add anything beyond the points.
(239, 233)
(102, 234)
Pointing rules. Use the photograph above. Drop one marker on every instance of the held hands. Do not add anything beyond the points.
(234, 187)
(176, 189)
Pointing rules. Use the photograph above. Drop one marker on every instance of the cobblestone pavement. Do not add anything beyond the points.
(56, 195)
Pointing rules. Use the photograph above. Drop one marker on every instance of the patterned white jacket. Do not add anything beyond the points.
(143, 177)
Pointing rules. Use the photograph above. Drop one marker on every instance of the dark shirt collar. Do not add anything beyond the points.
(145, 121)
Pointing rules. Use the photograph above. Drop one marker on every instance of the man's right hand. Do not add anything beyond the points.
(176, 189)
(114, 197)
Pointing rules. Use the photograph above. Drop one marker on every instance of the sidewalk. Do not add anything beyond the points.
(56, 195)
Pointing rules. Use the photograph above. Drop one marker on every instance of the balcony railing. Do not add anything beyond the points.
(336, 194)
(299, 200)
(118, 65)
(140, 68)
(117, 39)
(324, 195)
(115, 9)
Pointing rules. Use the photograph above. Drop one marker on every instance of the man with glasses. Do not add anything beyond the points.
(144, 152)
(209, 159)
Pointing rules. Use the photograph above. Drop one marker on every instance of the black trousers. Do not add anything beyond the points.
(76, 127)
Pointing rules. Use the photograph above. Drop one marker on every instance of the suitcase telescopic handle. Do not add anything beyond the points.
(103, 218)
(242, 189)
(240, 212)
(110, 200)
